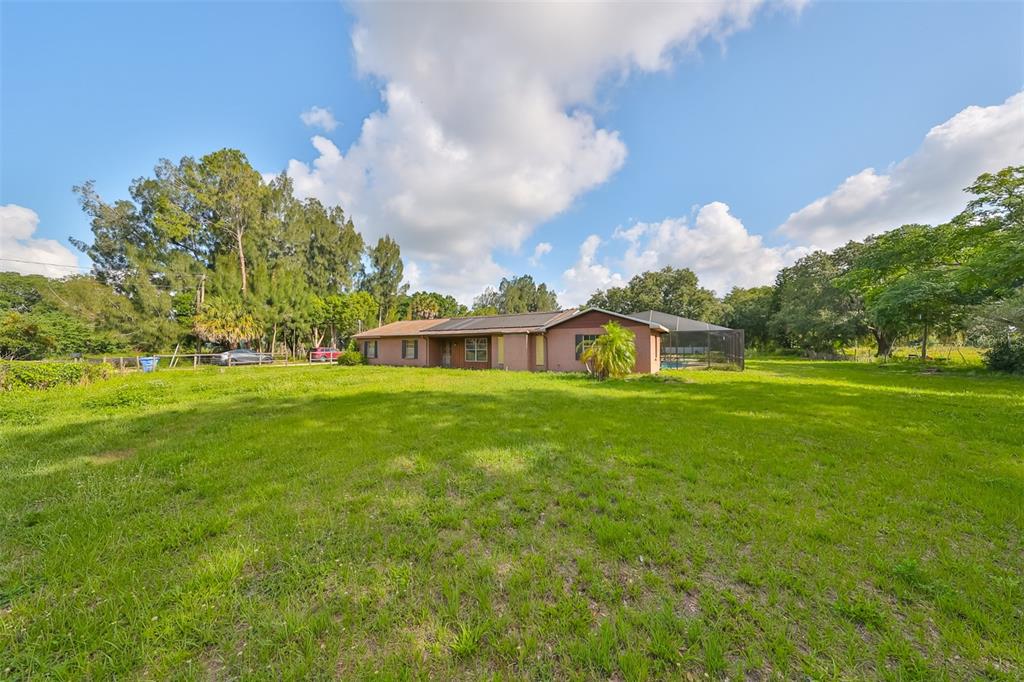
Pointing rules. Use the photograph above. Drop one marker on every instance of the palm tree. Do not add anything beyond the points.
(613, 354)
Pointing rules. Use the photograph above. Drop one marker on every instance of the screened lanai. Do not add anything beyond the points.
(693, 343)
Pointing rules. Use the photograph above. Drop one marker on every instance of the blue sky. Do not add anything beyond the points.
(693, 158)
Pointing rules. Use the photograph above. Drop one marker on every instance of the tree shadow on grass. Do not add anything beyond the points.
(257, 504)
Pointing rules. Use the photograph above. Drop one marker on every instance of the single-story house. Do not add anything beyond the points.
(528, 341)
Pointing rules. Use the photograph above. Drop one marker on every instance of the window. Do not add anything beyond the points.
(583, 342)
(410, 349)
(476, 349)
(369, 349)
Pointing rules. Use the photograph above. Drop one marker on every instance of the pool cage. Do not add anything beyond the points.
(692, 343)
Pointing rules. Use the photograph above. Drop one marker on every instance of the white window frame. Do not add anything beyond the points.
(585, 342)
(481, 348)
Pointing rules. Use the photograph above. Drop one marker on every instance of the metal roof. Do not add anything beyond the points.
(653, 324)
(674, 323)
(521, 321)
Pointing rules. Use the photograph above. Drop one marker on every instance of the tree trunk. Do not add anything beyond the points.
(924, 343)
(273, 339)
(241, 260)
(884, 343)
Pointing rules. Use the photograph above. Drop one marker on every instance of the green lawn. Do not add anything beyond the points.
(798, 519)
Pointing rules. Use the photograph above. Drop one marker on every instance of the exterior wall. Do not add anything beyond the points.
(389, 352)
(561, 350)
(517, 352)
(521, 349)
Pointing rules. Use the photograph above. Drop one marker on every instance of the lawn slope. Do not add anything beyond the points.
(795, 519)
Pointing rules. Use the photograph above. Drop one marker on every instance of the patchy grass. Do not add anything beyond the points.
(798, 519)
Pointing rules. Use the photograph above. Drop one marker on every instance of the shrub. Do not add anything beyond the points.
(351, 357)
(613, 353)
(1006, 355)
(43, 375)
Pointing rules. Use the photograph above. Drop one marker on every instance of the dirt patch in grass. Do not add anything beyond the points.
(111, 456)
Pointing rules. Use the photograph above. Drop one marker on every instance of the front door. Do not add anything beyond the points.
(446, 353)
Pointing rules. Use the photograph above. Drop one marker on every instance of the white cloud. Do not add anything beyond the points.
(587, 275)
(716, 246)
(926, 187)
(319, 117)
(485, 131)
(539, 251)
(17, 225)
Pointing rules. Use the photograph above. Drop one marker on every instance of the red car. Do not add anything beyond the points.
(324, 355)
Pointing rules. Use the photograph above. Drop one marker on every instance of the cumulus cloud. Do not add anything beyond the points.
(319, 117)
(539, 251)
(485, 129)
(587, 275)
(17, 245)
(926, 187)
(715, 245)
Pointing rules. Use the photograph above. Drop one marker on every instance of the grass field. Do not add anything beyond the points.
(798, 519)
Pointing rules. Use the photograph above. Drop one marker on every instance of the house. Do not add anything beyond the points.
(549, 341)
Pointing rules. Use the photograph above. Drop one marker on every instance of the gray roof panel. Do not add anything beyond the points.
(517, 321)
(674, 323)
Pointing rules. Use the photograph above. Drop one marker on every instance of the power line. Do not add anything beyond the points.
(38, 262)
(164, 287)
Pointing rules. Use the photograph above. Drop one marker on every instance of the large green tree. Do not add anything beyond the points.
(516, 295)
(212, 229)
(811, 311)
(907, 281)
(384, 278)
(669, 290)
(750, 310)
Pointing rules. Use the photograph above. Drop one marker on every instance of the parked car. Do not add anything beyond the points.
(325, 354)
(242, 356)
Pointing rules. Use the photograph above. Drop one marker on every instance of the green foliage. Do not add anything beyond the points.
(41, 375)
(224, 321)
(351, 313)
(22, 338)
(384, 279)
(994, 267)
(350, 358)
(750, 310)
(669, 290)
(516, 295)
(812, 311)
(612, 354)
(206, 229)
(430, 305)
(41, 317)
(1006, 355)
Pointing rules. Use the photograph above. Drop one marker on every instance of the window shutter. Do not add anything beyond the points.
(579, 342)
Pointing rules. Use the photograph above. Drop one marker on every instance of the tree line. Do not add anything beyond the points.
(962, 280)
(205, 252)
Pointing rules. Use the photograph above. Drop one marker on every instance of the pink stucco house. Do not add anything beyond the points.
(527, 342)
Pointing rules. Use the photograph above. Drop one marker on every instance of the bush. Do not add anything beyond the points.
(1006, 355)
(351, 358)
(43, 375)
(613, 354)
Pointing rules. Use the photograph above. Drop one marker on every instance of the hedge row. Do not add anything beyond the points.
(49, 374)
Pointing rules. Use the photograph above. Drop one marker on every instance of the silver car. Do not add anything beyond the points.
(242, 356)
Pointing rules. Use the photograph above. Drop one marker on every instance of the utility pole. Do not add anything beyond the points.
(200, 297)
(201, 293)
